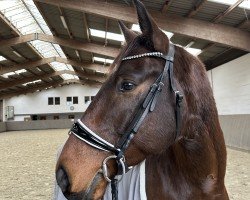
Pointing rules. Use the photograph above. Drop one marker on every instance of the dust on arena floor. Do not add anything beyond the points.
(27, 163)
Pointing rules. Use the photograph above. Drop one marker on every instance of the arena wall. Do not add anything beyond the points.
(37, 103)
(2, 127)
(39, 125)
(236, 129)
(231, 87)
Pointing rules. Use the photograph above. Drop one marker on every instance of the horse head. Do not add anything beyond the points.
(118, 101)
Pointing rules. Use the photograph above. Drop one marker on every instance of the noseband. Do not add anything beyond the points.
(82, 132)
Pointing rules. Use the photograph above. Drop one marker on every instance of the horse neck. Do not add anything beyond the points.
(197, 161)
(198, 158)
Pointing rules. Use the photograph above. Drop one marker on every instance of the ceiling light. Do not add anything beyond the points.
(194, 51)
(226, 2)
(2, 58)
(77, 53)
(17, 54)
(6, 75)
(189, 44)
(136, 27)
(109, 35)
(64, 22)
(20, 71)
(103, 60)
(245, 4)
(67, 76)
(32, 82)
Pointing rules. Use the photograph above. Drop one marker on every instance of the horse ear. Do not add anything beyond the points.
(128, 34)
(150, 29)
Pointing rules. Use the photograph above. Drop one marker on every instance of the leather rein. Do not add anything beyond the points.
(82, 132)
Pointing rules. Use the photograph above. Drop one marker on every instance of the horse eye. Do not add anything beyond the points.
(127, 86)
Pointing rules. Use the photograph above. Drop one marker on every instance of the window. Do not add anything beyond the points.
(34, 117)
(75, 100)
(42, 117)
(57, 100)
(92, 98)
(71, 116)
(26, 119)
(87, 99)
(68, 101)
(56, 117)
(50, 101)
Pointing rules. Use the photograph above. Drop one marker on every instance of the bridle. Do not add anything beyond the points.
(82, 132)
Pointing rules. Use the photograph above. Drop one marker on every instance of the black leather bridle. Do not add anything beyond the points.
(83, 133)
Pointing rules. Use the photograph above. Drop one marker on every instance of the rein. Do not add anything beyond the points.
(82, 132)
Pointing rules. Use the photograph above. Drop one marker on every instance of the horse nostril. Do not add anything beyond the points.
(62, 180)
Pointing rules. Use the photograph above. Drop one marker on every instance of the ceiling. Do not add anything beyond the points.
(50, 43)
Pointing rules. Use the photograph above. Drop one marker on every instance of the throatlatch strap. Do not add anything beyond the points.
(114, 189)
(178, 105)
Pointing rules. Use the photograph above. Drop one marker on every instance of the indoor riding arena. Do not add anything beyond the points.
(55, 55)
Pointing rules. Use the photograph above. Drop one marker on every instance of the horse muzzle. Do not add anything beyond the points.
(94, 191)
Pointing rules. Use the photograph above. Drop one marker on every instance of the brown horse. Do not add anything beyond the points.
(191, 166)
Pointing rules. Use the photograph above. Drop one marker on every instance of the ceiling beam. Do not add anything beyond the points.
(218, 18)
(206, 48)
(71, 43)
(26, 65)
(194, 28)
(196, 8)
(30, 90)
(225, 56)
(227, 11)
(245, 22)
(166, 6)
(34, 89)
(13, 83)
(83, 46)
(13, 29)
(84, 65)
(17, 82)
(86, 27)
(43, 61)
(90, 77)
(18, 40)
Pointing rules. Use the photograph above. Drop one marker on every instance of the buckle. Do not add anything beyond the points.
(160, 85)
(121, 161)
(178, 96)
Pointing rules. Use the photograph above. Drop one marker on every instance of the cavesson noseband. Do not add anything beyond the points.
(82, 132)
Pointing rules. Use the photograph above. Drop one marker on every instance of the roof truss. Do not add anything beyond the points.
(216, 33)
(75, 44)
